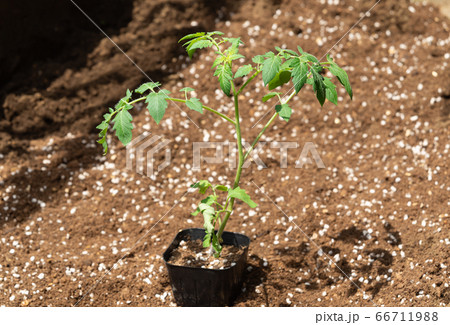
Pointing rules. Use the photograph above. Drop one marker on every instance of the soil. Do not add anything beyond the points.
(443, 5)
(192, 253)
(371, 228)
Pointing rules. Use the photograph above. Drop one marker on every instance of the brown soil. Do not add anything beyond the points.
(370, 228)
(192, 253)
(443, 5)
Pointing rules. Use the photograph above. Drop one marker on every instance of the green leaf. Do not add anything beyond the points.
(288, 64)
(209, 215)
(189, 45)
(243, 71)
(318, 68)
(156, 105)
(236, 57)
(284, 76)
(190, 36)
(284, 111)
(207, 240)
(222, 188)
(319, 86)
(164, 92)
(233, 49)
(202, 186)
(102, 125)
(293, 53)
(327, 82)
(240, 194)
(330, 91)
(329, 58)
(299, 75)
(211, 239)
(225, 85)
(200, 45)
(270, 68)
(215, 33)
(103, 132)
(187, 89)
(195, 105)
(258, 59)
(147, 86)
(310, 57)
(300, 50)
(123, 126)
(269, 96)
(104, 144)
(123, 101)
(209, 200)
(280, 79)
(105, 123)
(235, 42)
(342, 76)
(197, 43)
(223, 72)
(218, 61)
(331, 95)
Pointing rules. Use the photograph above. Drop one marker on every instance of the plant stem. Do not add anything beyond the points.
(184, 101)
(206, 108)
(247, 82)
(137, 100)
(265, 127)
(259, 135)
(121, 108)
(240, 163)
(243, 157)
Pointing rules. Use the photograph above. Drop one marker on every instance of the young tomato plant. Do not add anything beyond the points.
(277, 68)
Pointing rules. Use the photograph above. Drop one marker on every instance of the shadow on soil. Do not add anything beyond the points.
(380, 260)
(53, 31)
(255, 275)
(28, 189)
(321, 273)
(60, 64)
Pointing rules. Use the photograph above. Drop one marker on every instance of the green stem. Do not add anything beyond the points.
(184, 101)
(216, 44)
(137, 100)
(265, 127)
(240, 163)
(206, 108)
(247, 82)
(259, 135)
(121, 108)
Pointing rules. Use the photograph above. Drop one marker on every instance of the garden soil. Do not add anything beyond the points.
(192, 253)
(369, 229)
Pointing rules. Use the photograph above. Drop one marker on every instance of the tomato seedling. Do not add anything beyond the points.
(277, 68)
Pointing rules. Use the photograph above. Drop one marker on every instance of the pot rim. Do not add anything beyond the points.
(200, 268)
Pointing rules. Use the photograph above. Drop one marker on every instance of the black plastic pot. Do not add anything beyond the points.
(201, 287)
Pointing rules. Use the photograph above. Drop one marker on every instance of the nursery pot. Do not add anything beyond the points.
(202, 287)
